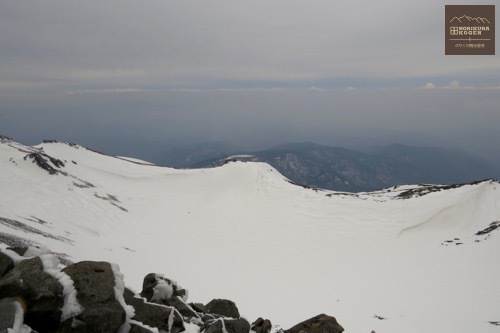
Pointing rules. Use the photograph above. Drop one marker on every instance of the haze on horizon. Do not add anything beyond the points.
(119, 75)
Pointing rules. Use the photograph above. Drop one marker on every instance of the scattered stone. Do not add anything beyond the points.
(319, 324)
(223, 307)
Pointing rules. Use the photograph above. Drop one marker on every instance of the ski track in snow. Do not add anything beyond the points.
(280, 251)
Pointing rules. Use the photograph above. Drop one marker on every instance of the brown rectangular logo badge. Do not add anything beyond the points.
(470, 29)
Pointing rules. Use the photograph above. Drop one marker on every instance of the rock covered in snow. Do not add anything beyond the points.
(41, 292)
(227, 325)
(162, 317)
(38, 295)
(95, 286)
(157, 288)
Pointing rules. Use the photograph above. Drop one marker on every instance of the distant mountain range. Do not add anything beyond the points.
(412, 258)
(343, 169)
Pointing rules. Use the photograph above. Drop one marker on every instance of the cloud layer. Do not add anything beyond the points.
(253, 72)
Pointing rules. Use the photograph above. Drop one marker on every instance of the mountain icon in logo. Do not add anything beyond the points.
(468, 19)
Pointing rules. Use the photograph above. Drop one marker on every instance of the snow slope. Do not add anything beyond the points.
(375, 261)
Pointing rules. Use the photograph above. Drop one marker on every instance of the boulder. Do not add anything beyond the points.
(227, 325)
(223, 307)
(158, 289)
(41, 293)
(185, 309)
(155, 315)
(261, 325)
(94, 283)
(319, 324)
(6, 264)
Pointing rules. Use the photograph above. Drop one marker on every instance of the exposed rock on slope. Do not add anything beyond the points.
(38, 294)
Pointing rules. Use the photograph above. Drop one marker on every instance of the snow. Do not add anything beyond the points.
(119, 290)
(33, 251)
(16, 258)
(191, 328)
(19, 318)
(279, 251)
(71, 307)
(171, 318)
(163, 290)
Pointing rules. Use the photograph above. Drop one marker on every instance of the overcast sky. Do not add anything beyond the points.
(252, 72)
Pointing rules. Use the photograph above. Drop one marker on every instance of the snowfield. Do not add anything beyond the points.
(391, 261)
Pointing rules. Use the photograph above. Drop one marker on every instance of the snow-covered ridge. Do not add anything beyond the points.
(411, 254)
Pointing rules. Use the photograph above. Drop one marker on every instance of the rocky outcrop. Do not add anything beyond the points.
(38, 293)
(42, 160)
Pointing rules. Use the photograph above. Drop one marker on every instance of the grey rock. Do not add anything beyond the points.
(185, 309)
(261, 325)
(21, 250)
(223, 307)
(199, 307)
(94, 283)
(240, 325)
(148, 289)
(6, 264)
(319, 324)
(41, 293)
(155, 315)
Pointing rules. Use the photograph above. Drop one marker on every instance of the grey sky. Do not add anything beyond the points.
(247, 71)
